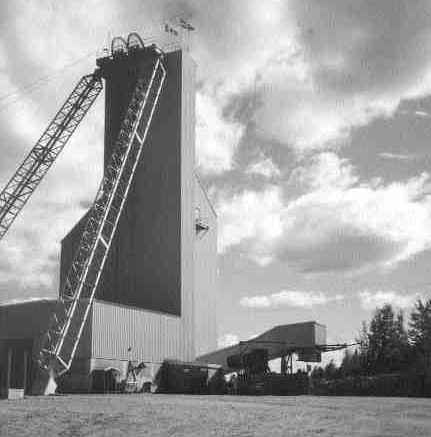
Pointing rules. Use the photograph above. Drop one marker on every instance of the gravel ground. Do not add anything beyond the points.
(204, 416)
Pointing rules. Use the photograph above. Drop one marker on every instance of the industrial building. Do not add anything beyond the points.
(138, 272)
(157, 294)
(306, 340)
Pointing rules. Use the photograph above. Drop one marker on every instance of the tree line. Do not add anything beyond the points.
(388, 344)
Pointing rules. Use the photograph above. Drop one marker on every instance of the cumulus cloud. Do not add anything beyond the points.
(303, 299)
(263, 167)
(317, 70)
(248, 215)
(29, 253)
(397, 156)
(353, 63)
(217, 133)
(216, 137)
(339, 223)
(371, 300)
(423, 114)
(326, 171)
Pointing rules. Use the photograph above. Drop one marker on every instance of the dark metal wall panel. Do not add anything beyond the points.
(30, 320)
(206, 278)
(297, 334)
(143, 268)
(26, 320)
(151, 258)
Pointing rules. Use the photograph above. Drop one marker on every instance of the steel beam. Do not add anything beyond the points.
(37, 163)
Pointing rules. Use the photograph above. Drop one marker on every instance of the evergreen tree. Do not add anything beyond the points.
(363, 351)
(331, 371)
(387, 342)
(351, 364)
(317, 373)
(420, 335)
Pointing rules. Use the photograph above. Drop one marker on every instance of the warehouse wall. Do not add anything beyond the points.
(150, 336)
(27, 323)
(30, 320)
(206, 277)
(187, 162)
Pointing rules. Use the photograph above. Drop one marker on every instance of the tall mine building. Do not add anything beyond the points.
(158, 292)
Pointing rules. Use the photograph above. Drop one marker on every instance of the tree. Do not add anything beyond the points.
(317, 373)
(331, 371)
(363, 351)
(351, 364)
(387, 348)
(420, 335)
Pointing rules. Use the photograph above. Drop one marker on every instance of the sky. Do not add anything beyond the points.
(313, 133)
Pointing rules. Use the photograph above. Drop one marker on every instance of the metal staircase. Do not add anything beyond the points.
(61, 341)
(37, 163)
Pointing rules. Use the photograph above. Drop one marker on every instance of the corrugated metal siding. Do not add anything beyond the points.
(152, 337)
(188, 94)
(320, 333)
(206, 279)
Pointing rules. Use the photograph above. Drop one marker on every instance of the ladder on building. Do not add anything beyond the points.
(37, 163)
(61, 341)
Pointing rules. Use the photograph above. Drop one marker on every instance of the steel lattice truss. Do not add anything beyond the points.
(37, 163)
(61, 341)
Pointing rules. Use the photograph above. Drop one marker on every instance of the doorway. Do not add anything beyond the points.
(15, 367)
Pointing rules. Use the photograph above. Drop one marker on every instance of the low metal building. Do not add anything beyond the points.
(278, 342)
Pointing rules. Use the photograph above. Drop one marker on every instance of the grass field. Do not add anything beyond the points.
(170, 415)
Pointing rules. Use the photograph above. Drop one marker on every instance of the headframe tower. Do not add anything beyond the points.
(138, 274)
